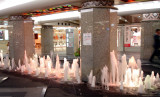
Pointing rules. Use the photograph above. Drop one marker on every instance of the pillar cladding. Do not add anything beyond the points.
(76, 40)
(46, 39)
(113, 30)
(95, 33)
(20, 37)
(150, 23)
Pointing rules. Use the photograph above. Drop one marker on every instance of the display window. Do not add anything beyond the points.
(132, 36)
(59, 40)
(135, 36)
(4, 34)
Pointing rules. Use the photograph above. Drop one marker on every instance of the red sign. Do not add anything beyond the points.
(127, 45)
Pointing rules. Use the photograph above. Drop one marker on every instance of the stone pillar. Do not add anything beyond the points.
(21, 37)
(70, 43)
(120, 35)
(46, 39)
(95, 33)
(113, 30)
(76, 40)
(150, 23)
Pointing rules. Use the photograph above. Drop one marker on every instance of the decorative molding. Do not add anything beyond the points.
(151, 16)
(97, 3)
(19, 18)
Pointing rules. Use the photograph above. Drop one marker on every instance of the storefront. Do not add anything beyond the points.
(65, 39)
(4, 39)
(129, 37)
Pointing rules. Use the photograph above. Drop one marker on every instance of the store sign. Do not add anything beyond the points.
(87, 39)
(127, 45)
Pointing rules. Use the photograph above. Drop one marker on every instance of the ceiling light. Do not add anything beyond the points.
(11, 3)
(58, 16)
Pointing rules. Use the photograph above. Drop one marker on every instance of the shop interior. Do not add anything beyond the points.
(61, 39)
(129, 33)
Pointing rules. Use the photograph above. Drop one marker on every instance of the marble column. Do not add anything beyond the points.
(120, 30)
(150, 23)
(70, 43)
(46, 39)
(76, 40)
(95, 37)
(20, 37)
(113, 30)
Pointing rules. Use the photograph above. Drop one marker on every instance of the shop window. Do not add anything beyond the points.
(132, 36)
(4, 34)
(35, 36)
(135, 36)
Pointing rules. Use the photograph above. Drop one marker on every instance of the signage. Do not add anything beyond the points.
(87, 39)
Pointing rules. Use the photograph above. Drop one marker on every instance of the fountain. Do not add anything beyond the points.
(141, 87)
(66, 69)
(93, 82)
(13, 64)
(124, 75)
(104, 77)
(75, 69)
(1, 56)
(121, 86)
(57, 67)
(157, 78)
(6, 63)
(121, 75)
(42, 65)
(114, 69)
(90, 77)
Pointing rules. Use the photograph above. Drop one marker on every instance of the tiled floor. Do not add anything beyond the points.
(22, 92)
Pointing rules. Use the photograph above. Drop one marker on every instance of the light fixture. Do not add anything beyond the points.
(64, 28)
(138, 6)
(39, 36)
(64, 15)
(11, 3)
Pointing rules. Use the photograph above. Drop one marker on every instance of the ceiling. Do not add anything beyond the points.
(43, 4)
(36, 5)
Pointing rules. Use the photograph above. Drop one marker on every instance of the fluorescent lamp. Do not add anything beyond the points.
(59, 28)
(138, 6)
(58, 16)
(11, 3)
(6, 35)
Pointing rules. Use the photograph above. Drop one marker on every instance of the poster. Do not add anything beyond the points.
(136, 36)
(87, 39)
(127, 37)
(1, 34)
(70, 39)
